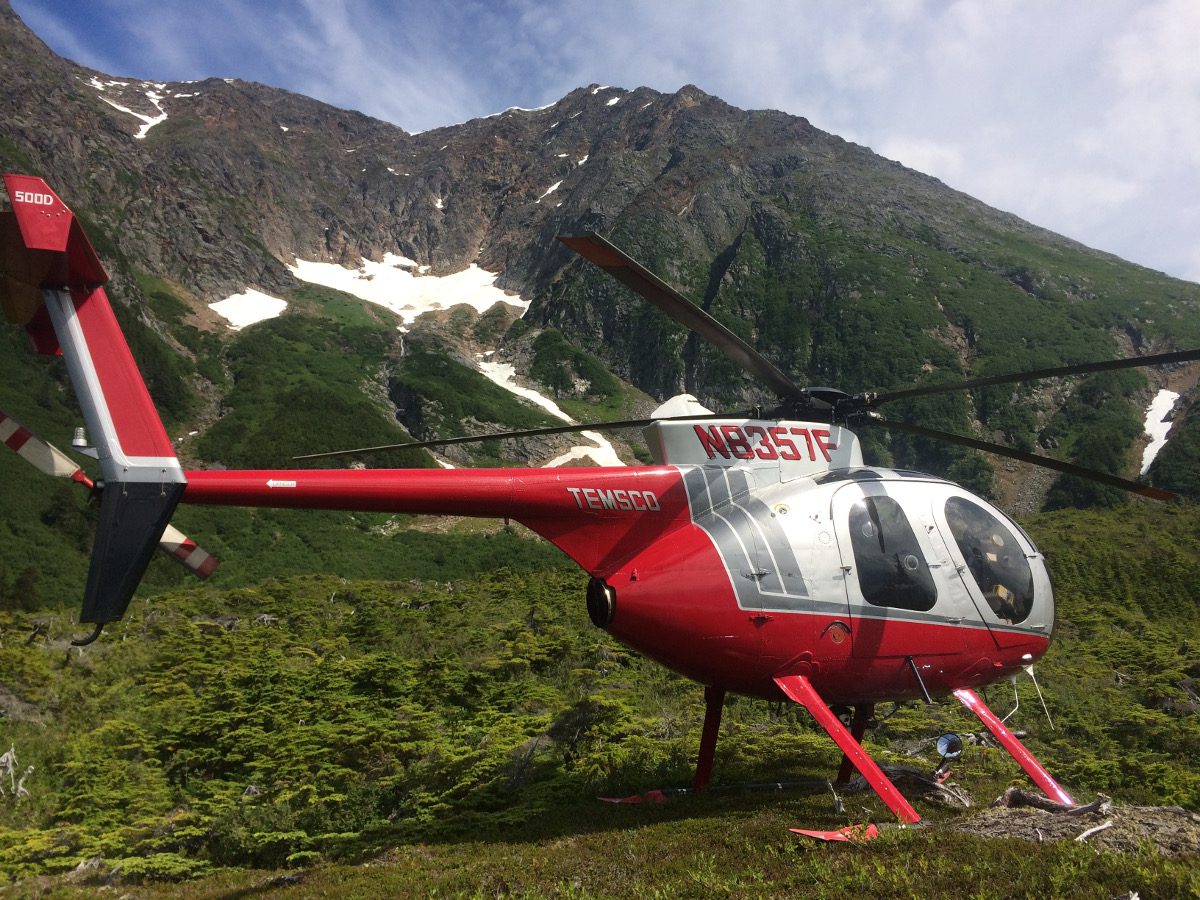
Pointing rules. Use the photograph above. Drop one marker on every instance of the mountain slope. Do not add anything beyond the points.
(844, 267)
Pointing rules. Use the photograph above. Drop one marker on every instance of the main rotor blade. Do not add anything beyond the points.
(641, 280)
(1157, 359)
(1045, 462)
(528, 432)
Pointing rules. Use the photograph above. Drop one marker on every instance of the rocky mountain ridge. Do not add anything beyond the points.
(844, 267)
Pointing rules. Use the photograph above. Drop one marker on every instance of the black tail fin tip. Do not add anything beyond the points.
(133, 515)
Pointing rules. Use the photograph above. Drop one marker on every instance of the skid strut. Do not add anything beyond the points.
(1009, 741)
(714, 701)
(858, 727)
(800, 689)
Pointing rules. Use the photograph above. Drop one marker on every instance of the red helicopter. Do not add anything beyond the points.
(757, 555)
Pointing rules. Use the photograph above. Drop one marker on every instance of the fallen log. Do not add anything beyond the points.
(1015, 796)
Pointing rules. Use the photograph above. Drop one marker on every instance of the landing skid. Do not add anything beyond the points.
(799, 689)
(1016, 749)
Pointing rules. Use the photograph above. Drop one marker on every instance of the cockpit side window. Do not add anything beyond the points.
(994, 559)
(892, 570)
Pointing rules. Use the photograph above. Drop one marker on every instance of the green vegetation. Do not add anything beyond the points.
(579, 382)
(462, 728)
(1097, 427)
(339, 307)
(451, 394)
(14, 158)
(440, 397)
(297, 388)
(1177, 466)
(36, 505)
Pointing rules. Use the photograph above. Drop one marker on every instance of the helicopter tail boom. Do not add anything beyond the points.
(597, 516)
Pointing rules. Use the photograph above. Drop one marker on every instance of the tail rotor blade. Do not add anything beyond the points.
(45, 457)
(51, 461)
(186, 552)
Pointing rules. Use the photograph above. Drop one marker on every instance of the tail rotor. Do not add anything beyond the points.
(49, 460)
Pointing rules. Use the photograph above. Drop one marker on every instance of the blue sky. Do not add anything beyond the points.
(1083, 117)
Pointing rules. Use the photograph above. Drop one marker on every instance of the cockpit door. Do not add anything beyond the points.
(890, 587)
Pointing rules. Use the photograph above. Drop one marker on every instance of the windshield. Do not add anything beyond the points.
(994, 558)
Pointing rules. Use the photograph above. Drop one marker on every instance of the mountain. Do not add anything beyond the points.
(842, 266)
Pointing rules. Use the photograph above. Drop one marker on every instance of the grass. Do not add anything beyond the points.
(707, 849)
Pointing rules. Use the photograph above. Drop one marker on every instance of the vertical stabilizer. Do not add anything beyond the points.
(49, 270)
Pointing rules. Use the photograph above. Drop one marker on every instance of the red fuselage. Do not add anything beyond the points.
(725, 579)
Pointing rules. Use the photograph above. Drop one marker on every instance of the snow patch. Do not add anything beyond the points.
(550, 190)
(437, 201)
(154, 93)
(613, 102)
(504, 375)
(1157, 426)
(248, 307)
(513, 109)
(596, 90)
(582, 160)
(392, 285)
(284, 128)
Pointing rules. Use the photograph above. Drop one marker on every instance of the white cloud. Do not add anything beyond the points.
(943, 160)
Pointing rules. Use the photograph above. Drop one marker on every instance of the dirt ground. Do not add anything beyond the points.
(1171, 830)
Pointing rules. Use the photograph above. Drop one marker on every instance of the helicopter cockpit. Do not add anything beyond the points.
(892, 570)
(916, 549)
